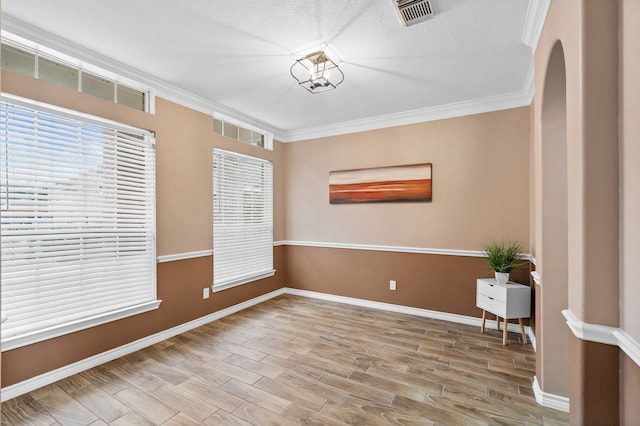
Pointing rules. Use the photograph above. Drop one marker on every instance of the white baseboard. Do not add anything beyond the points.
(548, 399)
(532, 337)
(53, 376)
(460, 319)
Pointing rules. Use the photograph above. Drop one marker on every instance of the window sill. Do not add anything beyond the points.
(243, 280)
(14, 342)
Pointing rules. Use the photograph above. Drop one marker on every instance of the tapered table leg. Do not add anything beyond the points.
(484, 318)
(524, 336)
(504, 332)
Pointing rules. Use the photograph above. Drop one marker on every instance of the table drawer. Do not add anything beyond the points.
(494, 306)
(492, 290)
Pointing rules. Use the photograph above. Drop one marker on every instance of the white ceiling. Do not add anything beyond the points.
(233, 56)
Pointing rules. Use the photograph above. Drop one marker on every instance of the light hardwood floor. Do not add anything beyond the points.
(294, 360)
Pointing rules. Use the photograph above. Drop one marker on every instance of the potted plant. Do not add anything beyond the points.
(503, 257)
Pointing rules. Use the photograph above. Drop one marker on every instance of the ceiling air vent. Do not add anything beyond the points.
(414, 11)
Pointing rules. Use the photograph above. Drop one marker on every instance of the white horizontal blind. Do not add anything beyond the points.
(242, 218)
(78, 219)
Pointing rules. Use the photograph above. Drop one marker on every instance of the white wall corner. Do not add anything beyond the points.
(549, 400)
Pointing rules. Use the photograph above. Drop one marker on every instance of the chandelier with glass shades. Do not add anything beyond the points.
(316, 72)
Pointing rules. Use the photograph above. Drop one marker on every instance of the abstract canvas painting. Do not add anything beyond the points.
(381, 184)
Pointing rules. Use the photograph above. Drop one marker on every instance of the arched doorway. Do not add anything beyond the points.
(553, 346)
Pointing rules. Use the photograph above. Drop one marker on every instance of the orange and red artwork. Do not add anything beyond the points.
(381, 184)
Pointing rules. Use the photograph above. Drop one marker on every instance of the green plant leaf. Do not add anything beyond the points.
(503, 256)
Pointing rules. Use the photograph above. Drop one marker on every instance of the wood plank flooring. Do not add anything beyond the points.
(294, 360)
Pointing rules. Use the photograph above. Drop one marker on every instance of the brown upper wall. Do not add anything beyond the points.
(480, 184)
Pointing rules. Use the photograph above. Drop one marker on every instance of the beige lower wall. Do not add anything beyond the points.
(435, 282)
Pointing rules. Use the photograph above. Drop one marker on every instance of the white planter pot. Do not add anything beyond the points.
(502, 277)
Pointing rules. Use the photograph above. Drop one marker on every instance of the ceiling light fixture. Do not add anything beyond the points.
(316, 72)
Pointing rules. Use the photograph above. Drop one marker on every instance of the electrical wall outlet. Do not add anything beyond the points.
(392, 285)
(205, 293)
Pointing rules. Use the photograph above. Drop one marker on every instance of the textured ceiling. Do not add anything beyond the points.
(236, 54)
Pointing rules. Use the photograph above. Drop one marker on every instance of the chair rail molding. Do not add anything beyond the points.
(603, 334)
(373, 247)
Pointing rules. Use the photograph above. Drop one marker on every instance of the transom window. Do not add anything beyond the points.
(52, 67)
(243, 132)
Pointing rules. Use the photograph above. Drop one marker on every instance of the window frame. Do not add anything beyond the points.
(46, 333)
(222, 122)
(257, 273)
(40, 51)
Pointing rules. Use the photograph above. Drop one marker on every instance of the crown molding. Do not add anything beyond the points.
(188, 99)
(534, 22)
(161, 88)
(452, 110)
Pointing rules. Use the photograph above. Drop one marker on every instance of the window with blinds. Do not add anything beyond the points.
(242, 219)
(77, 221)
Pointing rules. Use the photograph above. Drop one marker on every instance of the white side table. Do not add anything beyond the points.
(511, 300)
